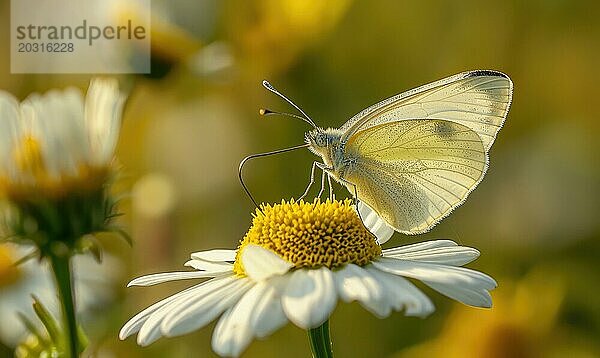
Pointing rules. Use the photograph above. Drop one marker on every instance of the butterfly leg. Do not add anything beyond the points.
(327, 172)
(356, 200)
(322, 184)
(311, 182)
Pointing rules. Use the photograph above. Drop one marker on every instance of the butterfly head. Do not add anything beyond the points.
(322, 141)
(317, 138)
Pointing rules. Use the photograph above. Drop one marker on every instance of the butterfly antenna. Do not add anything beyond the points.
(305, 117)
(267, 112)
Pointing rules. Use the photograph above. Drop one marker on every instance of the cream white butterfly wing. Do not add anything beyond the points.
(413, 173)
(479, 100)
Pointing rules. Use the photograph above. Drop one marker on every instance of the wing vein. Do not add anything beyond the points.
(394, 175)
(402, 134)
(443, 169)
(442, 148)
(465, 119)
(439, 186)
(410, 141)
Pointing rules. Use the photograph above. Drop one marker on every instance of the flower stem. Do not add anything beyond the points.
(62, 274)
(320, 341)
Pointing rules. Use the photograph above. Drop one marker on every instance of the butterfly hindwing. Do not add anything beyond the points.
(413, 173)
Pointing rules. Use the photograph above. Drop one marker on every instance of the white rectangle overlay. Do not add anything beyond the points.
(80, 36)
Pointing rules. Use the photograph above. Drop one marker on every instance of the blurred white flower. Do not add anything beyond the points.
(93, 283)
(58, 141)
(294, 264)
(56, 164)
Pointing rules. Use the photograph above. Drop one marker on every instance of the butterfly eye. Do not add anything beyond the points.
(321, 140)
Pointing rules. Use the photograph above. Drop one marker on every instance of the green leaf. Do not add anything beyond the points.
(32, 328)
(47, 320)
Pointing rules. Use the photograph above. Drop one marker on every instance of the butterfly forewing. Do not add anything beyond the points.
(413, 173)
(479, 100)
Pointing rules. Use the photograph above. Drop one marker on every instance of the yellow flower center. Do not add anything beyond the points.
(35, 181)
(9, 272)
(312, 235)
(28, 156)
(54, 205)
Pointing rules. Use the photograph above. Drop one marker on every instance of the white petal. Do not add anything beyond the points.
(376, 225)
(268, 314)
(134, 324)
(420, 246)
(209, 266)
(33, 124)
(260, 263)
(9, 118)
(73, 135)
(62, 115)
(9, 108)
(402, 294)
(150, 330)
(465, 285)
(103, 107)
(310, 297)
(234, 331)
(355, 283)
(205, 308)
(450, 255)
(469, 296)
(219, 255)
(352, 284)
(157, 278)
(219, 341)
(427, 272)
(59, 116)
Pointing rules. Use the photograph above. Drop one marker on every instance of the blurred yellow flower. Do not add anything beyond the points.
(520, 325)
(9, 272)
(273, 32)
(169, 42)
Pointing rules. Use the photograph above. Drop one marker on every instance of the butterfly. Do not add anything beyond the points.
(414, 157)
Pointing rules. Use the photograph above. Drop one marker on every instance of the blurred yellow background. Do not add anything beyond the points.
(189, 123)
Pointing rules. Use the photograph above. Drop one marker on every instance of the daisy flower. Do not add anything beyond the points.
(56, 154)
(59, 138)
(294, 264)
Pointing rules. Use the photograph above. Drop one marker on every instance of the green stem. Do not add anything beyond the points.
(62, 274)
(320, 341)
